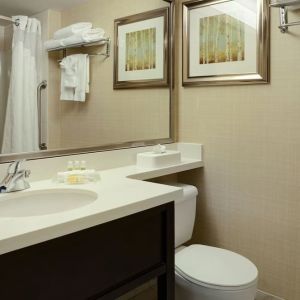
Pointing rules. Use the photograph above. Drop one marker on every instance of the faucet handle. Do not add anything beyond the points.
(27, 173)
(14, 167)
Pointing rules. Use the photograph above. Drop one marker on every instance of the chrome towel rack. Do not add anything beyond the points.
(102, 42)
(283, 11)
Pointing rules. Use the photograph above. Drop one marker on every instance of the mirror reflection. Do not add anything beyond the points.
(57, 85)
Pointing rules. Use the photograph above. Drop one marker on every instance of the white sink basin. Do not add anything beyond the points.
(158, 160)
(44, 202)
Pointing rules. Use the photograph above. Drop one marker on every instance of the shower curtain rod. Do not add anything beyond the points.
(16, 22)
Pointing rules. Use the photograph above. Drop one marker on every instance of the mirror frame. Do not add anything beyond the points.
(118, 146)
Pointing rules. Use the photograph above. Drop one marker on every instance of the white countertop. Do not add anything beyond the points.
(120, 193)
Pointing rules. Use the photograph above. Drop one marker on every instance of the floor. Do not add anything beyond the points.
(262, 296)
(148, 292)
(145, 292)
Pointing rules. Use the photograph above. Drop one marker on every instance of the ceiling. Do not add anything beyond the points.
(31, 7)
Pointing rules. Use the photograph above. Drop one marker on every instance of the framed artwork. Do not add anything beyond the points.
(141, 50)
(225, 42)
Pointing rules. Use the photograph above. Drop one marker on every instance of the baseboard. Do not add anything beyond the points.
(266, 296)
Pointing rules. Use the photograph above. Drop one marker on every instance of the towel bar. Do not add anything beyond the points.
(283, 11)
(105, 41)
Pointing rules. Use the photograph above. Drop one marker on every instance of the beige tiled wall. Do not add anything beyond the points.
(108, 116)
(54, 109)
(43, 17)
(250, 187)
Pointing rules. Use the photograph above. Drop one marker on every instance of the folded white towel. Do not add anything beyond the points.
(71, 30)
(87, 36)
(52, 44)
(93, 34)
(73, 40)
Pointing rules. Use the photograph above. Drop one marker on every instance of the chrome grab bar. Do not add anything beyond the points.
(41, 86)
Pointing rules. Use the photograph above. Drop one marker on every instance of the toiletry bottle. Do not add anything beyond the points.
(70, 166)
(83, 165)
(77, 165)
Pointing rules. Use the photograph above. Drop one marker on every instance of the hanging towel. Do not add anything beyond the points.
(68, 78)
(75, 77)
(71, 30)
(82, 77)
(87, 36)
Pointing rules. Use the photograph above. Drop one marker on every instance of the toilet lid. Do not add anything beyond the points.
(216, 267)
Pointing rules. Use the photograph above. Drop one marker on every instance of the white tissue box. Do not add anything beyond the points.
(158, 160)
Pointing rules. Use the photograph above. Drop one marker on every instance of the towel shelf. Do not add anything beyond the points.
(105, 41)
(281, 3)
(283, 11)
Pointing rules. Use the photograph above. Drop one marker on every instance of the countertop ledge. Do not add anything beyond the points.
(121, 192)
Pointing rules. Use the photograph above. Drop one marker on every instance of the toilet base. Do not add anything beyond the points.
(185, 290)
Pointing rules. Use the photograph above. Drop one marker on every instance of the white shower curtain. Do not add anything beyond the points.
(21, 122)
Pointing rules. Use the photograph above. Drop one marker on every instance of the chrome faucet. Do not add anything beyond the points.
(15, 180)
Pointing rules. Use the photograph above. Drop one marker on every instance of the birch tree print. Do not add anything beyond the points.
(141, 50)
(222, 39)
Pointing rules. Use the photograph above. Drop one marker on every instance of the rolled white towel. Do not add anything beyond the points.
(73, 40)
(52, 44)
(88, 36)
(71, 30)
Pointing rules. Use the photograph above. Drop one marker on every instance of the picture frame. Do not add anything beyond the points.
(141, 50)
(232, 41)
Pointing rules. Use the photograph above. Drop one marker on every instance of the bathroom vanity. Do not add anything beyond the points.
(120, 240)
(102, 262)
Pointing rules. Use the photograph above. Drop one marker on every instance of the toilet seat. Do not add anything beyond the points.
(215, 268)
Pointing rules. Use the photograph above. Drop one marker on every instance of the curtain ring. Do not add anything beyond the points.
(17, 22)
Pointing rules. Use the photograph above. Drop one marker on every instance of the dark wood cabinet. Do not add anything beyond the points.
(101, 262)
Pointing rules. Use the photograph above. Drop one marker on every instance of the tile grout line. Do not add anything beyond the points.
(266, 296)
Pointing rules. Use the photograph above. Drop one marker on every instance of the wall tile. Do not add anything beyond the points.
(249, 189)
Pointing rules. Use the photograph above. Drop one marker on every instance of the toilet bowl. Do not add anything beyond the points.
(203, 272)
(209, 273)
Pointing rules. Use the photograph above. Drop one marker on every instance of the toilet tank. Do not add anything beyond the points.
(185, 213)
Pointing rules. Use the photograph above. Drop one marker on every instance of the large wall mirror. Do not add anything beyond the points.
(38, 115)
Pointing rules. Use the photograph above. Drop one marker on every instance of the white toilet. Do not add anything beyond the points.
(207, 273)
